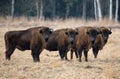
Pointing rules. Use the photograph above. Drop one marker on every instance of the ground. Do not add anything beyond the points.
(21, 65)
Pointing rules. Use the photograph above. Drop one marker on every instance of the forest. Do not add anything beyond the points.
(61, 9)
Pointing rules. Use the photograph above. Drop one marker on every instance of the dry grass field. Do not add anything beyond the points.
(21, 66)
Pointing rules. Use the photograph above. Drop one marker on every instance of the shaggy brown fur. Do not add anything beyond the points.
(61, 40)
(31, 39)
(101, 40)
(84, 41)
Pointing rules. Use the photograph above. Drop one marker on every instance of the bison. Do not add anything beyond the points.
(33, 39)
(101, 40)
(61, 40)
(84, 41)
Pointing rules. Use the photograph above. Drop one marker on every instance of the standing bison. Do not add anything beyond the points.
(84, 41)
(101, 40)
(33, 39)
(61, 40)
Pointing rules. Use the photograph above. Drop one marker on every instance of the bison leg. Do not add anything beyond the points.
(71, 53)
(66, 56)
(9, 52)
(76, 54)
(95, 52)
(80, 55)
(86, 55)
(35, 54)
(61, 54)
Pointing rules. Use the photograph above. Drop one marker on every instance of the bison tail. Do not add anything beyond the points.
(6, 41)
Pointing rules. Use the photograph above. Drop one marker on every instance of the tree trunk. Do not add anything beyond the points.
(116, 12)
(37, 8)
(84, 10)
(95, 10)
(110, 10)
(99, 10)
(54, 7)
(52, 2)
(41, 9)
(12, 10)
(67, 11)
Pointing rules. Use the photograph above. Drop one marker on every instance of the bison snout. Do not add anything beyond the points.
(46, 39)
(72, 40)
(92, 42)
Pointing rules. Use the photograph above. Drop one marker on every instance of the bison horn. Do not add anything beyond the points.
(109, 28)
(51, 29)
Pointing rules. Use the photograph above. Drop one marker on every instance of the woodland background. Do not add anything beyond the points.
(61, 9)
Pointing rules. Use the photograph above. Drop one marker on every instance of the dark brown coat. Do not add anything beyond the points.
(101, 40)
(61, 40)
(84, 41)
(31, 39)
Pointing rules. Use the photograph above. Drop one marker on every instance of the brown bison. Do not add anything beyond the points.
(61, 40)
(33, 39)
(101, 40)
(84, 41)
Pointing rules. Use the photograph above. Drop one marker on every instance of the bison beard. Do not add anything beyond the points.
(31, 39)
(61, 40)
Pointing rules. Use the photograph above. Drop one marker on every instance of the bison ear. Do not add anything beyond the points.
(76, 31)
(66, 33)
(41, 31)
(51, 30)
(87, 31)
(109, 32)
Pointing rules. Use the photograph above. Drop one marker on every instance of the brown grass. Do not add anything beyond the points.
(21, 66)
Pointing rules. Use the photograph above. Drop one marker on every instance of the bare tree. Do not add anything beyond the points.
(37, 8)
(12, 10)
(99, 10)
(53, 2)
(41, 9)
(67, 11)
(110, 10)
(84, 10)
(95, 9)
(116, 12)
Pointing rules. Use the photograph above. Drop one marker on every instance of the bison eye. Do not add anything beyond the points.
(66, 33)
(88, 33)
(100, 32)
(76, 33)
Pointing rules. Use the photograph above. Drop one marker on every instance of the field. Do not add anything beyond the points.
(21, 66)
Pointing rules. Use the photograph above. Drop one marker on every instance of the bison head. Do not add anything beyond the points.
(105, 33)
(71, 34)
(45, 31)
(92, 33)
